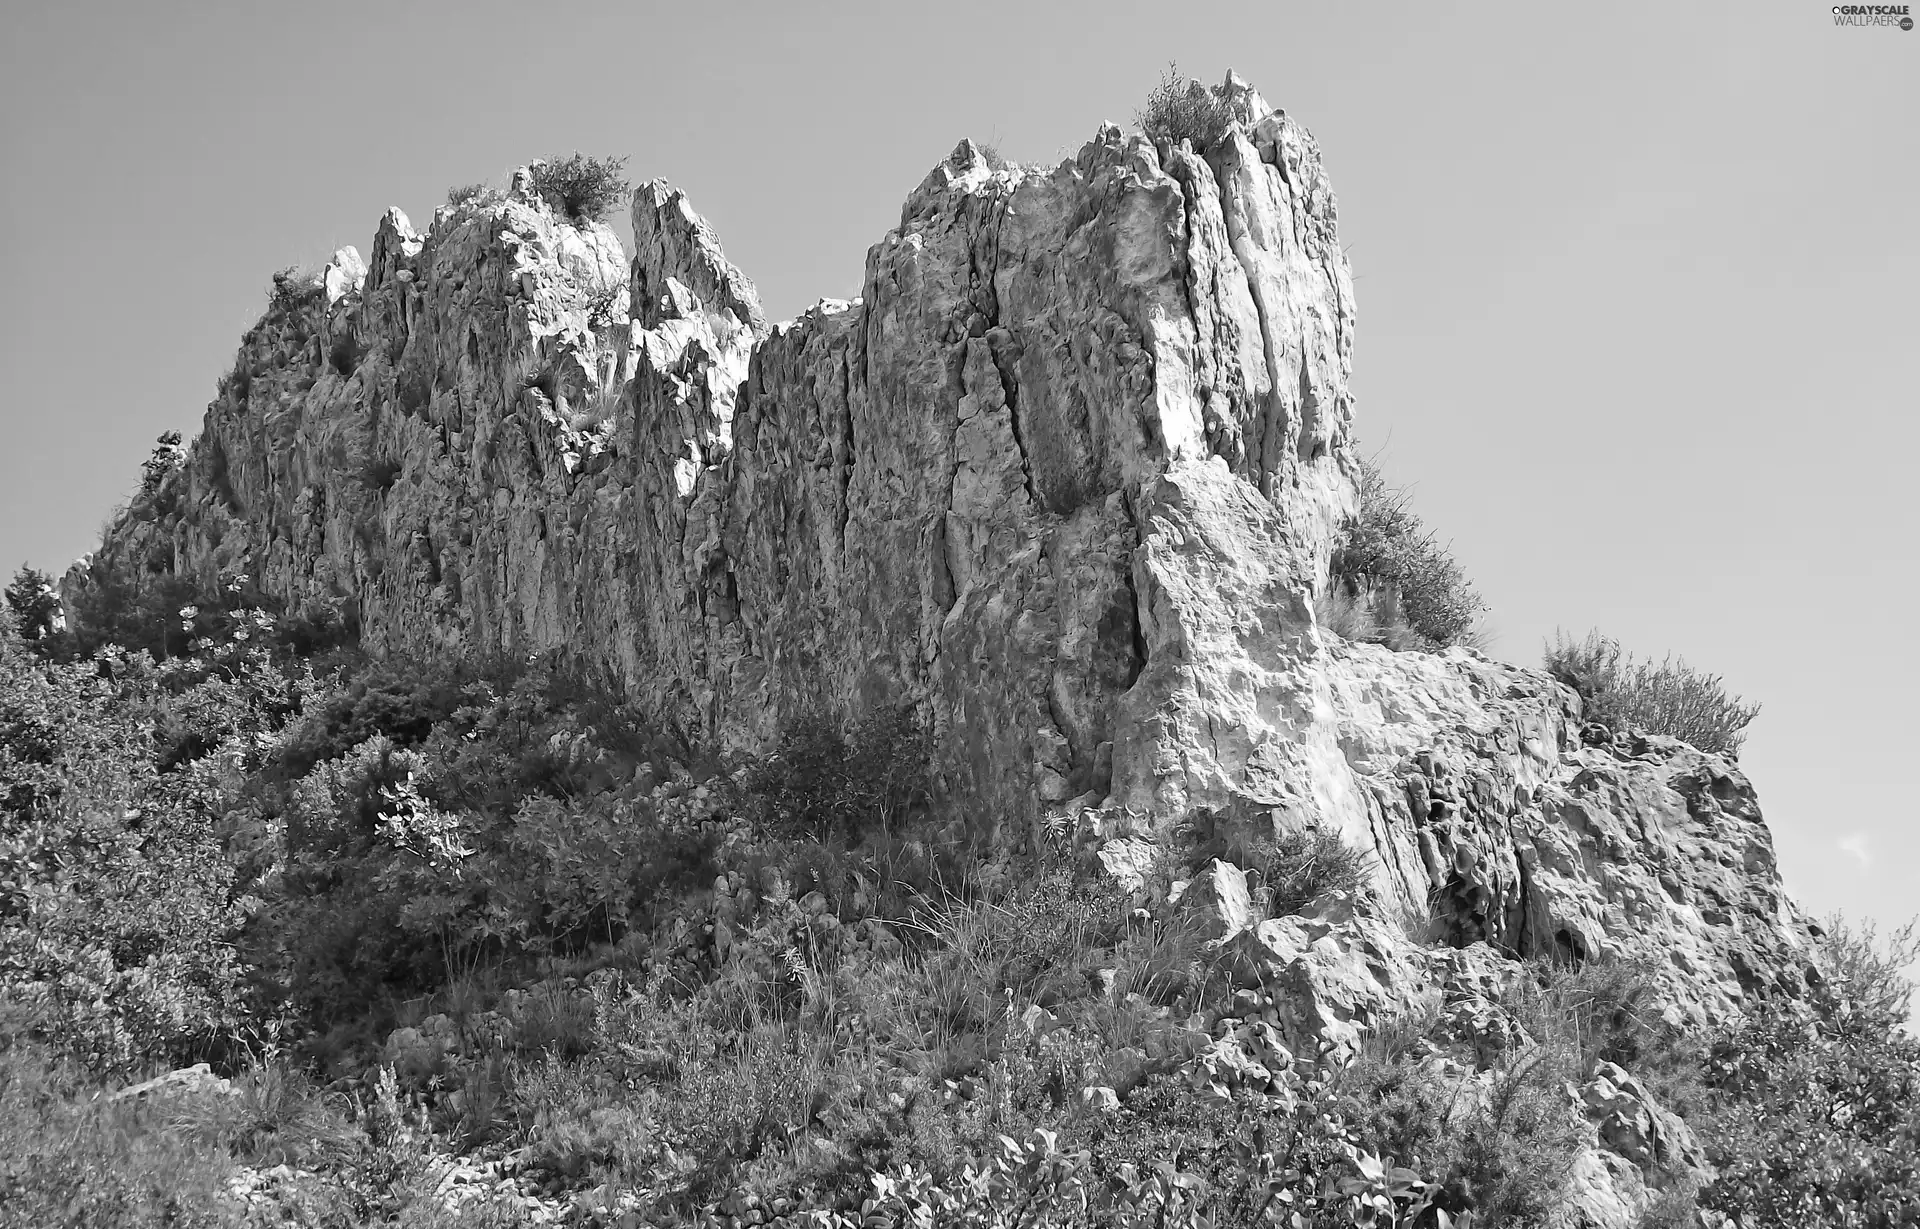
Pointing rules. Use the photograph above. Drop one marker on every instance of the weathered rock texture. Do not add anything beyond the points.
(1064, 478)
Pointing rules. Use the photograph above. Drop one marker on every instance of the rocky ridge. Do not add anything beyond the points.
(1064, 480)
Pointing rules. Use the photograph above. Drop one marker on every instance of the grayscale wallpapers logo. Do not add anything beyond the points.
(1892, 15)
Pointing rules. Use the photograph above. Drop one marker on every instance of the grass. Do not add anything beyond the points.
(69, 1158)
(1296, 867)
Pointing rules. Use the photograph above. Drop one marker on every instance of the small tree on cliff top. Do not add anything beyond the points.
(580, 188)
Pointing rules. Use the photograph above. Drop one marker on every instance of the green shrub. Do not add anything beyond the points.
(1817, 1121)
(1394, 582)
(830, 786)
(1179, 109)
(606, 306)
(1866, 975)
(582, 189)
(296, 286)
(165, 461)
(1302, 864)
(117, 915)
(477, 192)
(34, 604)
(1670, 698)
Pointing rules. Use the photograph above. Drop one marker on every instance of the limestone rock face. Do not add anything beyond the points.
(1064, 479)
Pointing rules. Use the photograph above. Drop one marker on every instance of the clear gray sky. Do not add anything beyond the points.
(1639, 285)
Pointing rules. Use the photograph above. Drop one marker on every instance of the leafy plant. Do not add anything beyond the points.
(68, 1157)
(116, 912)
(477, 193)
(1816, 1121)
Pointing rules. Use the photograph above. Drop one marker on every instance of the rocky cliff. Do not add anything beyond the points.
(1064, 479)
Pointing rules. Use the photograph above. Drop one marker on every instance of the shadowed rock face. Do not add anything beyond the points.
(1064, 478)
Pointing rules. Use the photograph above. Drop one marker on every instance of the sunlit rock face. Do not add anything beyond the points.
(1063, 480)
(993, 488)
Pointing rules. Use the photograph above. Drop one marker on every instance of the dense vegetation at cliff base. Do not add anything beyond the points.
(468, 943)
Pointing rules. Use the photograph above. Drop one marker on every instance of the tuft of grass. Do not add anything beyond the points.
(1368, 615)
(1301, 865)
(558, 1021)
(1181, 109)
(1670, 697)
(273, 1117)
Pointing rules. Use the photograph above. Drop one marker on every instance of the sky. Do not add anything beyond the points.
(1638, 284)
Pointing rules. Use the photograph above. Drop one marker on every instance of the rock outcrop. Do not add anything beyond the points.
(1064, 479)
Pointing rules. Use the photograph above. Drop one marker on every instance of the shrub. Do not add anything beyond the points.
(33, 603)
(1671, 698)
(273, 1116)
(296, 286)
(1306, 863)
(117, 915)
(1817, 1121)
(1034, 945)
(607, 305)
(1407, 581)
(1179, 109)
(477, 192)
(831, 786)
(582, 189)
(162, 463)
(1867, 976)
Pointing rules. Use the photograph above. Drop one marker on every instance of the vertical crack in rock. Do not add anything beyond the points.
(1138, 662)
(1523, 938)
